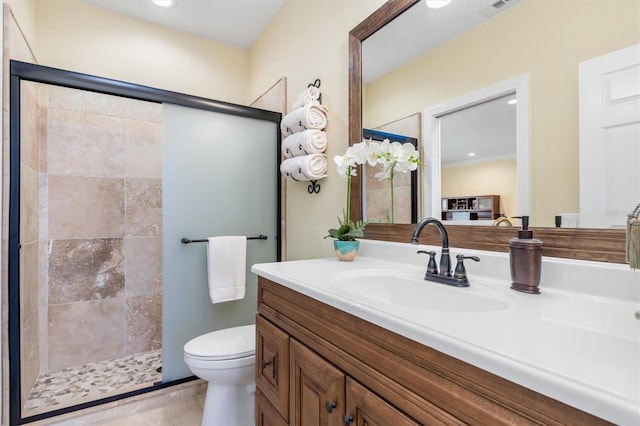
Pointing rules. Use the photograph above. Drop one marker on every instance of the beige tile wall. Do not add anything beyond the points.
(29, 235)
(104, 231)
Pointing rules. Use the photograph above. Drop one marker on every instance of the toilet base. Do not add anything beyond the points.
(229, 405)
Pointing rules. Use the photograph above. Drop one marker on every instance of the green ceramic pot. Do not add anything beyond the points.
(346, 250)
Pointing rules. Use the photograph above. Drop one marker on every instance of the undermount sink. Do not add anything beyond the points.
(410, 290)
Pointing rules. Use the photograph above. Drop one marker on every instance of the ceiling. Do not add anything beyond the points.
(233, 22)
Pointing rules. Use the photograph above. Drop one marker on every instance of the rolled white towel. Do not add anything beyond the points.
(310, 95)
(305, 167)
(313, 116)
(310, 141)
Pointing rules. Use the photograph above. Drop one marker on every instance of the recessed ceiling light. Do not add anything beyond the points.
(471, 154)
(437, 4)
(163, 3)
(512, 101)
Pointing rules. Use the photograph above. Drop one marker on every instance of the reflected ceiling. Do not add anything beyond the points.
(487, 130)
(431, 27)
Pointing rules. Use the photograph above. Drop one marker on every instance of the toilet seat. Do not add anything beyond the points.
(226, 344)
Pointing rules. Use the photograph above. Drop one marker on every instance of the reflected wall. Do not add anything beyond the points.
(547, 40)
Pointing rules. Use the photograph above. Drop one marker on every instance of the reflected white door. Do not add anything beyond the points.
(609, 91)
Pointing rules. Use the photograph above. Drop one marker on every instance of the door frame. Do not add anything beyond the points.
(432, 140)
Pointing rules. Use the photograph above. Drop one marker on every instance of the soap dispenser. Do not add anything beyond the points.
(525, 260)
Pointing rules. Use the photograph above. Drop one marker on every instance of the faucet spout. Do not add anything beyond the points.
(424, 222)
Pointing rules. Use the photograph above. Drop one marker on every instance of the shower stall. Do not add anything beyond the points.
(106, 178)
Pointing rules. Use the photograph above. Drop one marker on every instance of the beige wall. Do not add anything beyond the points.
(24, 12)
(307, 40)
(76, 36)
(544, 38)
(489, 178)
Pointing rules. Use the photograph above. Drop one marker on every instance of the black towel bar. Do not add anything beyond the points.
(188, 240)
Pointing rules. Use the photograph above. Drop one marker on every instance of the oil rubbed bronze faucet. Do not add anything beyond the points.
(459, 277)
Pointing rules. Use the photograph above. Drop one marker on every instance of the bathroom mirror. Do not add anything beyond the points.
(544, 192)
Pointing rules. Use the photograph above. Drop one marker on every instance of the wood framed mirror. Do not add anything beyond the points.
(590, 244)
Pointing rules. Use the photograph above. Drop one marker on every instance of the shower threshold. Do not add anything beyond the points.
(88, 382)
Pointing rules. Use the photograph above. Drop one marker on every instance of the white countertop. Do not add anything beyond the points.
(579, 347)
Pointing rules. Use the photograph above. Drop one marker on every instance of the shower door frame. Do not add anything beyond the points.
(20, 71)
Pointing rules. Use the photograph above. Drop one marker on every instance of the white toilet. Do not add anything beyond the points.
(226, 360)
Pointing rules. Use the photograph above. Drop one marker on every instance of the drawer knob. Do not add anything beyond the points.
(265, 363)
(346, 419)
(329, 405)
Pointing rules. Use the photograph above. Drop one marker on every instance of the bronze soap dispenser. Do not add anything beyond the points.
(525, 260)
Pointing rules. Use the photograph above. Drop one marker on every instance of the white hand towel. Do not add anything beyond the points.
(311, 141)
(313, 116)
(305, 167)
(226, 265)
(309, 96)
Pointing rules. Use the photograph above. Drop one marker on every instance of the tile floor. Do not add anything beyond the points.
(179, 405)
(75, 385)
(180, 412)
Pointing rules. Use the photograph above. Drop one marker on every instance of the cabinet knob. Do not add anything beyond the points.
(346, 419)
(265, 363)
(330, 405)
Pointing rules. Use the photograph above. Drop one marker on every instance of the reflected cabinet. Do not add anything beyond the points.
(475, 207)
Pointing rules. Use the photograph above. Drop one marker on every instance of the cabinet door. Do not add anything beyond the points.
(266, 414)
(272, 365)
(317, 389)
(365, 408)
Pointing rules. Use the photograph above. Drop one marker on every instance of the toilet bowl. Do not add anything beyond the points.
(226, 360)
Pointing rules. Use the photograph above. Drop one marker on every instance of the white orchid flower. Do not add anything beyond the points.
(345, 165)
(358, 152)
(373, 152)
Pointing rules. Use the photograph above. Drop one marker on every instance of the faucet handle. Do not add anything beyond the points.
(460, 271)
(432, 267)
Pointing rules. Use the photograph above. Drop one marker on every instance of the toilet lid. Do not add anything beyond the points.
(229, 343)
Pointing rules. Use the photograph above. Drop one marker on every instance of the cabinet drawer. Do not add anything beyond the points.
(272, 365)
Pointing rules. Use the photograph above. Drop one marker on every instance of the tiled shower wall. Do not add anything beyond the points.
(378, 194)
(101, 216)
(29, 237)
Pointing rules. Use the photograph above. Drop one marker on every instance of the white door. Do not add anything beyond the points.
(609, 90)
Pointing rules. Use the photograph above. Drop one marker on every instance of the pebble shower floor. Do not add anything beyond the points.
(88, 382)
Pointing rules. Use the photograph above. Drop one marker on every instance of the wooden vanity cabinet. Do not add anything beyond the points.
(342, 370)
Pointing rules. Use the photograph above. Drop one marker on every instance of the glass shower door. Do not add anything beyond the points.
(220, 177)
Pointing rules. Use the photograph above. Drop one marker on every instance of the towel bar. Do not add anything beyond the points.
(188, 240)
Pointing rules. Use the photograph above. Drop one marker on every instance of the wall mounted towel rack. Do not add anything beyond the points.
(314, 186)
(204, 240)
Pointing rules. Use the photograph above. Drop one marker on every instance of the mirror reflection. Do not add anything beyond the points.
(478, 162)
(472, 47)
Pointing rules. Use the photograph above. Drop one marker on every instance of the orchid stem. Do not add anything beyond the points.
(348, 213)
(392, 209)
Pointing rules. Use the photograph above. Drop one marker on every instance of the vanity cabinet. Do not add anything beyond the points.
(339, 369)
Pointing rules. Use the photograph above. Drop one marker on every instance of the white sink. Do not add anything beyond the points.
(392, 287)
